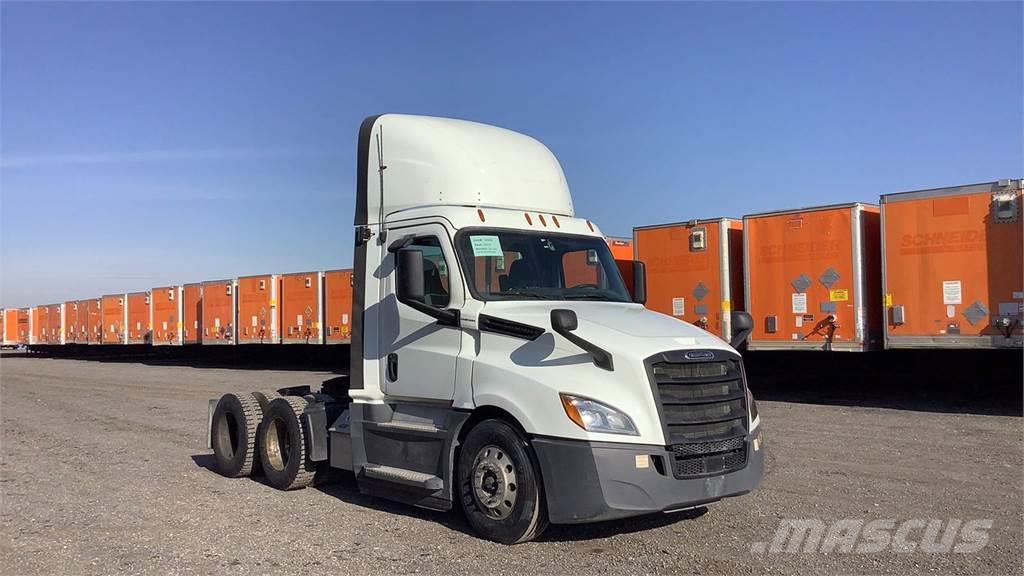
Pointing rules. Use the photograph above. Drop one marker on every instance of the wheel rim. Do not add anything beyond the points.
(494, 482)
(277, 441)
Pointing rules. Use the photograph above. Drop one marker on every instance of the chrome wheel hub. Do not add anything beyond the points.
(494, 482)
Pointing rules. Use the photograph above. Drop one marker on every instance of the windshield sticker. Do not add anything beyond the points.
(486, 246)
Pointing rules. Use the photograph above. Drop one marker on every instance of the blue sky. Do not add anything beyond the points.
(163, 143)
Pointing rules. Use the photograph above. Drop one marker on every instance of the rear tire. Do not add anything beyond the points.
(233, 434)
(282, 444)
(499, 484)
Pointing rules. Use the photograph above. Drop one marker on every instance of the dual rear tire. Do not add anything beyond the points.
(258, 432)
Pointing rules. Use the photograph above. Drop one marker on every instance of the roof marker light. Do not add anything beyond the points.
(528, 219)
(480, 213)
(555, 220)
(542, 221)
(589, 225)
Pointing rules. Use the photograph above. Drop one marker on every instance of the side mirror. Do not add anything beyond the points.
(639, 282)
(742, 324)
(409, 287)
(409, 275)
(563, 320)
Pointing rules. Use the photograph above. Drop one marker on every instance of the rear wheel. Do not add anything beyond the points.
(235, 421)
(499, 484)
(283, 445)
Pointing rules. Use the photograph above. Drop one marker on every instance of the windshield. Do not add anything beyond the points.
(517, 265)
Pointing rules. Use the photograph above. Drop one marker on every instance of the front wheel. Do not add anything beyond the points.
(499, 484)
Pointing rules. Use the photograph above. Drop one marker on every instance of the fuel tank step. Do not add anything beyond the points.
(402, 476)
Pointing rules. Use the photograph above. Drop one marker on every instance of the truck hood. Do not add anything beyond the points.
(606, 323)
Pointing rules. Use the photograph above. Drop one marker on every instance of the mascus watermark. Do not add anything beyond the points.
(860, 536)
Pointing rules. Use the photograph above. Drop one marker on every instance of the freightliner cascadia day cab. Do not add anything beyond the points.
(498, 364)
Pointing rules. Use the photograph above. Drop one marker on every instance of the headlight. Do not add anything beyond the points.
(593, 416)
(752, 407)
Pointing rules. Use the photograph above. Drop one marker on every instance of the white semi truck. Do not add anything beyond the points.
(498, 363)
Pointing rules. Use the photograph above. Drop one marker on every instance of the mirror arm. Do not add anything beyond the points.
(602, 358)
(444, 316)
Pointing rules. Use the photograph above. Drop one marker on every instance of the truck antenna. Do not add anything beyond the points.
(381, 167)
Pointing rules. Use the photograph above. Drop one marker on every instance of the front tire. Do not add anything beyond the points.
(499, 484)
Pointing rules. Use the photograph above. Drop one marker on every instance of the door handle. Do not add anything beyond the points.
(393, 367)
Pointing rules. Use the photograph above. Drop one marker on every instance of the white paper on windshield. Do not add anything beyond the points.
(486, 246)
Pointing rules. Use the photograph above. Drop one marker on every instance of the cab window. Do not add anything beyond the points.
(435, 271)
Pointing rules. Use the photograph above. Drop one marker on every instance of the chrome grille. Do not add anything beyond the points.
(704, 411)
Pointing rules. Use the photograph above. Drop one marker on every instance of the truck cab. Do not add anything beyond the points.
(498, 363)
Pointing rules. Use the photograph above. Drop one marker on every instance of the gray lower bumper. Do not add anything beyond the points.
(591, 482)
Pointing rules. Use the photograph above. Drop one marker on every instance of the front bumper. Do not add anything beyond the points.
(595, 481)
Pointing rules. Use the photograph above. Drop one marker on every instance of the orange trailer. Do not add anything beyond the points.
(694, 270)
(219, 312)
(813, 278)
(113, 319)
(166, 306)
(16, 326)
(622, 252)
(338, 306)
(36, 321)
(54, 324)
(138, 318)
(301, 305)
(93, 320)
(257, 309)
(73, 323)
(952, 267)
(192, 314)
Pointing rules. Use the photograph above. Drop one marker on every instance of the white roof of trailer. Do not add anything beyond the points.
(442, 161)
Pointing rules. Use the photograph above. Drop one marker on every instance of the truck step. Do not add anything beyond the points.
(402, 476)
(399, 425)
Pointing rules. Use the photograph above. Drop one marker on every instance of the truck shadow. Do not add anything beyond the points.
(342, 485)
(984, 382)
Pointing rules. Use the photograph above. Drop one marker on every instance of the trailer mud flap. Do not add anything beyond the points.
(315, 420)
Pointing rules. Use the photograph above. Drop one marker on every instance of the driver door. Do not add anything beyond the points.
(419, 354)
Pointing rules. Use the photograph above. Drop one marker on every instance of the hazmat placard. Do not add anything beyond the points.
(678, 307)
(839, 294)
(952, 293)
(799, 303)
(486, 246)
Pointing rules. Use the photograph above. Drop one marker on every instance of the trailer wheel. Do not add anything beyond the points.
(499, 485)
(283, 445)
(235, 420)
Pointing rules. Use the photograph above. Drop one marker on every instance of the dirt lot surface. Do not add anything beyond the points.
(105, 471)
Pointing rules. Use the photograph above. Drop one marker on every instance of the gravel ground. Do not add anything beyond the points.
(105, 470)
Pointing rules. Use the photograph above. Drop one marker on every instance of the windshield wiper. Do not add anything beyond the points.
(590, 296)
(526, 293)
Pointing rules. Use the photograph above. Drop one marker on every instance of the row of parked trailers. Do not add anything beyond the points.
(937, 268)
(299, 308)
